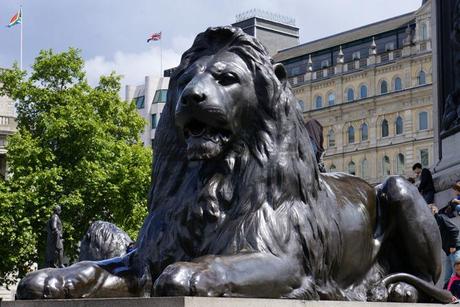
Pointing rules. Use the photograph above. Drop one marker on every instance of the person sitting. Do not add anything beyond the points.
(426, 187)
(450, 241)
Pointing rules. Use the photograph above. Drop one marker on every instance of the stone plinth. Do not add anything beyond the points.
(199, 302)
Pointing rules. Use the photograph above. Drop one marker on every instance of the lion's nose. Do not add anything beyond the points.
(192, 97)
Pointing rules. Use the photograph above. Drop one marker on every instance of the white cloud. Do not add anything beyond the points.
(132, 66)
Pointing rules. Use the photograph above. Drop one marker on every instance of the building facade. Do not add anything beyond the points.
(371, 89)
(7, 127)
(274, 31)
(150, 99)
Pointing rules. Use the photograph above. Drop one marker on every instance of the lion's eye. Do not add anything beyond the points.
(227, 79)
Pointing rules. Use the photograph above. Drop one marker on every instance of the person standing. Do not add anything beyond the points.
(54, 242)
(450, 241)
(426, 186)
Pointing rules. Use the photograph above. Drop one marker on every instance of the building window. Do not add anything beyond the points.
(301, 105)
(350, 95)
(421, 78)
(364, 168)
(424, 157)
(332, 168)
(385, 132)
(331, 138)
(400, 164)
(154, 121)
(386, 166)
(363, 91)
(331, 99)
(364, 132)
(399, 125)
(356, 55)
(389, 46)
(383, 87)
(352, 168)
(398, 84)
(324, 63)
(318, 102)
(351, 135)
(424, 32)
(160, 96)
(423, 120)
(139, 102)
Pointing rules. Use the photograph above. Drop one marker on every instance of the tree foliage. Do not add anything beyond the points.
(77, 147)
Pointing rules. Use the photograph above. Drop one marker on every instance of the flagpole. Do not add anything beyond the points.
(161, 57)
(22, 21)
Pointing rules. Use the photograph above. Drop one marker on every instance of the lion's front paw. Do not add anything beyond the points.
(71, 282)
(188, 279)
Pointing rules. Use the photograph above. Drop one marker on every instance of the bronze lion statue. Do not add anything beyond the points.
(239, 208)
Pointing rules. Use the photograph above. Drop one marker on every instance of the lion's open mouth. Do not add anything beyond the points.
(204, 141)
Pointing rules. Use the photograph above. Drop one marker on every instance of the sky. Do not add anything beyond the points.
(112, 34)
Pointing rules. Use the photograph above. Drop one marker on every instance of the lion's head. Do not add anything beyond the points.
(228, 101)
(226, 88)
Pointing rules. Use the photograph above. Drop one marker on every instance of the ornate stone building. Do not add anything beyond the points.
(371, 89)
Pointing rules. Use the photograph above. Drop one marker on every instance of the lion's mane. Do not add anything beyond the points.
(253, 196)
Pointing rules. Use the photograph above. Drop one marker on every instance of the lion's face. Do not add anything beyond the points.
(213, 93)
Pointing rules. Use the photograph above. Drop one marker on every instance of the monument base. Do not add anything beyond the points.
(199, 302)
(447, 172)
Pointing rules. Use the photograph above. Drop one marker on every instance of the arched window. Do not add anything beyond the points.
(352, 168)
(332, 168)
(318, 102)
(350, 95)
(423, 120)
(398, 84)
(351, 135)
(364, 132)
(331, 99)
(363, 91)
(400, 164)
(385, 128)
(364, 168)
(421, 78)
(331, 138)
(301, 105)
(424, 32)
(386, 166)
(399, 125)
(383, 87)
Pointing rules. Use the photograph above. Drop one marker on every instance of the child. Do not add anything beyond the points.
(454, 282)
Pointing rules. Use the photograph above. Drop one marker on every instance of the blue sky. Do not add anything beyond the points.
(112, 33)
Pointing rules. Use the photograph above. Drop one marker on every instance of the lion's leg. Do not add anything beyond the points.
(415, 232)
(248, 275)
(84, 279)
(412, 243)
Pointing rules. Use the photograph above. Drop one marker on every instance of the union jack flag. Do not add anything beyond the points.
(154, 37)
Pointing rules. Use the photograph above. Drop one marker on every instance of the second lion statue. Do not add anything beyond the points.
(238, 207)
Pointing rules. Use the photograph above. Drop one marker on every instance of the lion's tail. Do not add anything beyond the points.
(427, 288)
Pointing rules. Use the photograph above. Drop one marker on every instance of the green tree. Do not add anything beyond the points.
(77, 147)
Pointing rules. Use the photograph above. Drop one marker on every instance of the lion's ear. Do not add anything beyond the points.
(280, 72)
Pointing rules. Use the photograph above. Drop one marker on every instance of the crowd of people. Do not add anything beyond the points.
(447, 228)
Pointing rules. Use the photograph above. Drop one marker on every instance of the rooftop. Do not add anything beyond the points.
(265, 15)
(345, 37)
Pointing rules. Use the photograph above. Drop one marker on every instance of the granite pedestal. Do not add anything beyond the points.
(199, 302)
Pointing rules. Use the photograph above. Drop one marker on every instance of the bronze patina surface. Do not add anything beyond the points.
(239, 208)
